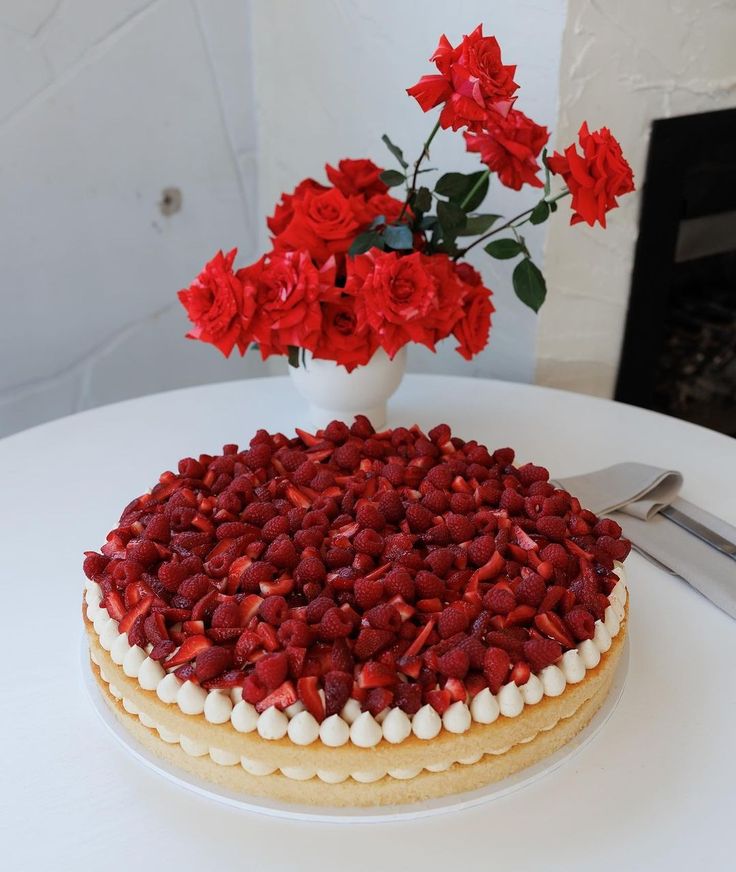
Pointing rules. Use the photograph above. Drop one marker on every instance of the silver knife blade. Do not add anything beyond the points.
(696, 528)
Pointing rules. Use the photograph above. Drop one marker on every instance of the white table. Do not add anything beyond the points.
(654, 790)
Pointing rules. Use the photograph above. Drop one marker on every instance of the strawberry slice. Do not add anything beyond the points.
(309, 439)
(114, 605)
(520, 615)
(281, 587)
(193, 628)
(524, 540)
(520, 673)
(440, 700)
(190, 647)
(402, 607)
(204, 605)
(486, 572)
(297, 497)
(282, 697)
(410, 666)
(308, 690)
(248, 607)
(374, 674)
(456, 689)
(430, 605)
(578, 551)
(231, 678)
(237, 568)
(246, 644)
(378, 572)
(475, 682)
(267, 634)
(551, 625)
(296, 657)
(418, 642)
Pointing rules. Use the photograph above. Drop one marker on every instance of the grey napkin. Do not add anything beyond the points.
(633, 494)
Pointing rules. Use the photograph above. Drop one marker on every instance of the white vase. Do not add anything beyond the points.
(333, 393)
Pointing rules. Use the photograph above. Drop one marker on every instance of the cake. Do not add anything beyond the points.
(352, 618)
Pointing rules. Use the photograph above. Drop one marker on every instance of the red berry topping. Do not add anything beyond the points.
(496, 666)
(542, 652)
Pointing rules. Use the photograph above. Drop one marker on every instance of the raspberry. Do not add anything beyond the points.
(370, 641)
(322, 480)
(462, 503)
(554, 505)
(274, 610)
(454, 664)
(617, 548)
(436, 501)
(552, 527)
(481, 549)
(440, 476)
(408, 697)
(305, 473)
(512, 501)
(529, 473)
(607, 527)
(211, 662)
(499, 601)
(461, 528)
(556, 555)
(440, 560)
(383, 617)
(580, 623)
(317, 608)
(282, 554)
(452, 621)
(542, 652)
(158, 529)
(496, 666)
(428, 585)
(368, 592)
(254, 575)
(531, 589)
(509, 639)
(369, 516)
(143, 551)
(475, 650)
(338, 687)
(226, 614)
(292, 458)
(440, 434)
(337, 432)
(398, 582)
(258, 457)
(310, 569)
(362, 427)
(420, 519)
(271, 669)
(337, 557)
(347, 456)
(335, 624)
(377, 700)
(253, 690)
(293, 633)
(258, 513)
(368, 542)
(391, 506)
(274, 528)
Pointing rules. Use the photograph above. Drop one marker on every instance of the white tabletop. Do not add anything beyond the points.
(653, 790)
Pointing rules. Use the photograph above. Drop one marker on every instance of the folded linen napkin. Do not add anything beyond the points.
(633, 494)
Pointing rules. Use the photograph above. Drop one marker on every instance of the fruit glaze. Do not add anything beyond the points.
(356, 586)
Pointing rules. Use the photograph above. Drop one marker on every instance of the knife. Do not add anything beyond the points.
(702, 531)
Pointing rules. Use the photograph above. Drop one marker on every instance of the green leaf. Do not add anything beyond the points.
(478, 196)
(422, 201)
(540, 213)
(477, 224)
(364, 242)
(553, 207)
(529, 284)
(428, 222)
(457, 186)
(392, 178)
(398, 236)
(451, 217)
(294, 356)
(395, 151)
(503, 249)
(378, 221)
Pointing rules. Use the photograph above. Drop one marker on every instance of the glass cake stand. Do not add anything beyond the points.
(377, 814)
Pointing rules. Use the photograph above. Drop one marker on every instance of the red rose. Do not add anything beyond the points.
(323, 223)
(286, 289)
(357, 178)
(284, 210)
(393, 296)
(341, 339)
(451, 292)
(472, 82)
(218, 307)
(510, 146)
(473, 328)
(595, 177)
(382, 204)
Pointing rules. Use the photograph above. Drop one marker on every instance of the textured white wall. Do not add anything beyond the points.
(624, 64)
(103, 104)
(330, 79)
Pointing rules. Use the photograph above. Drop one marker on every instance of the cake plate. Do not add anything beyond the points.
(377, 814)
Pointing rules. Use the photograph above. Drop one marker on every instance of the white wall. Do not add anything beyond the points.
(624, 64)
(103, 104)
(331, 78)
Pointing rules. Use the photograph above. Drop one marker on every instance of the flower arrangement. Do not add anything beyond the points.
(353, 269)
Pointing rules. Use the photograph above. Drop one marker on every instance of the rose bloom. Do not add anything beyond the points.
(473, 328)
(357, 178)
(323, 223)
(285, 288)
(218, 307)
(381, 204)
(595, 177)
(341, 339)
(452, 289)
(509, 147)
(472, 81)
(284, 210)
(393, 295)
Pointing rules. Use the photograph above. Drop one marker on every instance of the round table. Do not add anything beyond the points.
(653, 790)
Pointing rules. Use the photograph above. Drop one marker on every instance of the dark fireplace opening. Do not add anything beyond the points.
(679, 348)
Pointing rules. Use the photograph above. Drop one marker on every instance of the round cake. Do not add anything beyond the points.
(353, 618)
